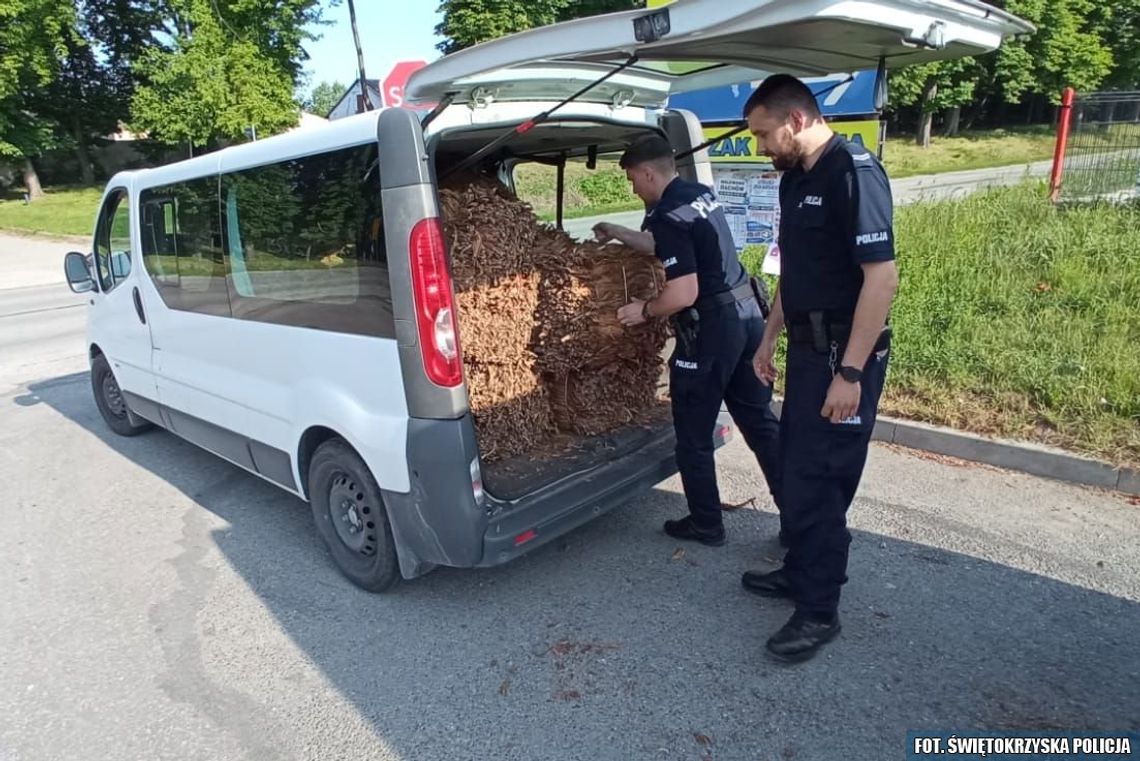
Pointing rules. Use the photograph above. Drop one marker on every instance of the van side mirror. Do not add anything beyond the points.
(78, 273)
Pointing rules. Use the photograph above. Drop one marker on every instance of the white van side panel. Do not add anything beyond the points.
(271, 383)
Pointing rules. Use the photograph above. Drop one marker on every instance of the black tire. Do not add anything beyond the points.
(111, 402)
(350, 516)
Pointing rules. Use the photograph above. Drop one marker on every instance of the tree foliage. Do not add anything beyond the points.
(469, 22)
(225, 65)
(324, 97)
(34, 38)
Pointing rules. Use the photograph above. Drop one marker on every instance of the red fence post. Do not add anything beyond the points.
(1063, 124)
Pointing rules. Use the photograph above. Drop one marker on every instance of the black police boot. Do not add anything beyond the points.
(771, 584)
(802, 637)
(687, 530)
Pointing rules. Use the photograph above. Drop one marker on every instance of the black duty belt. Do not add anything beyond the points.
(802, 333)
(823, 333)
(742, 292)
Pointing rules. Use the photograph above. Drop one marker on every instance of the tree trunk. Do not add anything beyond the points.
(86, 171)
(926, 120)
(953, 121)
(976, 112)
(32, 180)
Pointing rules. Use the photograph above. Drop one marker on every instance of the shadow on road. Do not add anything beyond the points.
(613, 644)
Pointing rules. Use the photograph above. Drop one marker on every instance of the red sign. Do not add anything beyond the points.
(392, 88)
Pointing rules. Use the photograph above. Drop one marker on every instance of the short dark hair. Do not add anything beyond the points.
(780, 93)
(648, 149)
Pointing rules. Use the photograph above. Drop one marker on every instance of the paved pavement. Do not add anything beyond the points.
(42, 329)
(158, 603)
(33, 261)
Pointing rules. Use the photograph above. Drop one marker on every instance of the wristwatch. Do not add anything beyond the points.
(645, 315)
(851, 374)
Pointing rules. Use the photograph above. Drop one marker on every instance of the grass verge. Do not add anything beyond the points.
(62, 211)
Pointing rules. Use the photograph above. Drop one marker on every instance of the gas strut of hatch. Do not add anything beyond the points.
(742, 127)
(530, 124)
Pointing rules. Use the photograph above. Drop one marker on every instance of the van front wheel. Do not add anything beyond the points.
(111, 402)
(350, 517)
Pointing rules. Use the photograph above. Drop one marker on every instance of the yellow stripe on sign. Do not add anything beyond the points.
(742, 148)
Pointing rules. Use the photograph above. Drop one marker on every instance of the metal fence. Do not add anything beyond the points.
(1099, 148)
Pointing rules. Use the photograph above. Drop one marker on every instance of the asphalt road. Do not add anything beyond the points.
(158, 603)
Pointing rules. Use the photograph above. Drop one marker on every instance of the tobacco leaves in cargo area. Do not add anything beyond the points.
(544, 356)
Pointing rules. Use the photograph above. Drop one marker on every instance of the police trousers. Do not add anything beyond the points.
(822, 466)
(716, 370)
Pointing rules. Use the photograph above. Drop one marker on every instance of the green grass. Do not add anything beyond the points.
(61, 211)
(984, 149)
(604, 190)
(979, 150)
(1019, 319)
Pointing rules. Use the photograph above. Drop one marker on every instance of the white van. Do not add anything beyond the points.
(287, 304)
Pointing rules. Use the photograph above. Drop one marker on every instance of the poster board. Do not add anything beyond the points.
(750, 197)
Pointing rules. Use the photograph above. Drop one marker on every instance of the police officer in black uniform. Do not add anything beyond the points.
(716, 314)
(837, 281)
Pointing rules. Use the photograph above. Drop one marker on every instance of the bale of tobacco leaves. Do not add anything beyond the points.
(594, 402)
(489, 238)
(583, 286)
(543, 350)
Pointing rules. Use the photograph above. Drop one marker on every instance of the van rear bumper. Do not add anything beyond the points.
(561, 508)
(439, 522)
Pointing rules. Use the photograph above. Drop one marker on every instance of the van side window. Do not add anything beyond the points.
(113, 241)
(182, 245)
(305, 243)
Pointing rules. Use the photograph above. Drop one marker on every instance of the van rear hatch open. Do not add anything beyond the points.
(695, 44)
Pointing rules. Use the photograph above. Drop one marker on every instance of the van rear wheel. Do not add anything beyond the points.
(111, 402)
(350, 516)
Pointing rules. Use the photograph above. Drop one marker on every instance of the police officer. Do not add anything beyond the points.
(716, 314)
(837, 281)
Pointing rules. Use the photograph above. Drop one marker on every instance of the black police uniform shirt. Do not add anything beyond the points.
(691, 236)
(833, 219)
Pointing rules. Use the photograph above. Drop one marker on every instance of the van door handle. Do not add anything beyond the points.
(138, 305)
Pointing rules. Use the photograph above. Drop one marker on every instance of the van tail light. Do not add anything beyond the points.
(435, 306)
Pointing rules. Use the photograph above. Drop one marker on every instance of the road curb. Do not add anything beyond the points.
(1033, 459)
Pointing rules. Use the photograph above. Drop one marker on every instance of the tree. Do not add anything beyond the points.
(934, 87)
(228, 65)
(323, 97)
(1072, 47)
(469, 22)
(1066, 51)
(1118, 25)
(86, 99)
(33, 37)
(91, 96)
